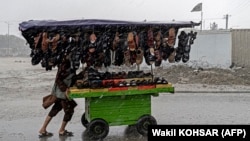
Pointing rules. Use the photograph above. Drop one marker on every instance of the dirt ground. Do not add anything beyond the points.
(184, 74)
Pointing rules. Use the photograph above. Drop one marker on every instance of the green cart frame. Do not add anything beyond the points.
(118, 106)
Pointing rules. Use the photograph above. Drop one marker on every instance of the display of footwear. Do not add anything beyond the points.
(112, 46)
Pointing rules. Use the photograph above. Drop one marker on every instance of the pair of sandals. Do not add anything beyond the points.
(160, 80)
(49, 134)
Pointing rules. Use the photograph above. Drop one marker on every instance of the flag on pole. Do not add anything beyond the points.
(197, 8)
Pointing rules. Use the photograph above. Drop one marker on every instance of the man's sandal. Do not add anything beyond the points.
(45, 134)
(66, 133)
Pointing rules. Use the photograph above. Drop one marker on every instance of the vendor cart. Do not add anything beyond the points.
(118, 106)
(111, 98)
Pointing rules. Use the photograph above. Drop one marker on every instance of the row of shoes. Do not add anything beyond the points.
(105, 48)
(111, 83)
(91, 78)
(93, 74)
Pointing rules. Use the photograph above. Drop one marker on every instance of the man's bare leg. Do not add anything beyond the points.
(63, 131)
(45, 124)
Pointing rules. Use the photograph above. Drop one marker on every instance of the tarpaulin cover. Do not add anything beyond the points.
(90, 23)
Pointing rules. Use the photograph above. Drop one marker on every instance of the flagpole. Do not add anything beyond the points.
(201, 19)
(199, 8)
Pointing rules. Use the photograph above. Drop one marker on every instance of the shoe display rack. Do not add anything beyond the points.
(111, 98)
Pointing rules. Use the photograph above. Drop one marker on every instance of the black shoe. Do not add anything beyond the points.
(95, 84)
(132, 83)
(185, 57)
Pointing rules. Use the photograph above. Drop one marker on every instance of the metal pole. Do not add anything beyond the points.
(201, 19)
(227, 21)
(8, 36)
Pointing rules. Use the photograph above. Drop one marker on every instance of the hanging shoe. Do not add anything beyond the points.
(107, 58)
(36, 57)
(187, 49)
(92, 38)
(127, 58)
(150, 39)
(171, 37)
(178, 55)
(158, 58)
(119, 56)
(37, 41)
(158, 40)
(185, 57)
(131, 41)
(171, 57)
(151, 57)
(45, 42)
(139, 56)
(54, 41)
(116, 41)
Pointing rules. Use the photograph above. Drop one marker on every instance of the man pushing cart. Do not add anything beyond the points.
(111, 98)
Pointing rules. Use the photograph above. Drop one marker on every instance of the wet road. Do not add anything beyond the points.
(179, 108)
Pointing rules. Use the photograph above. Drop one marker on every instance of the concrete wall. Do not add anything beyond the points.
(212, 49)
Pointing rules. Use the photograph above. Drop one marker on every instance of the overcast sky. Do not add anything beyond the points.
(12, 12)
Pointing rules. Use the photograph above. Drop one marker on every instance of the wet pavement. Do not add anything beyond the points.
(23, 123)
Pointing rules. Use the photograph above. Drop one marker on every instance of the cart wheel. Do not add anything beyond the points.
(97, 129)
(84, 120)
(143, 122)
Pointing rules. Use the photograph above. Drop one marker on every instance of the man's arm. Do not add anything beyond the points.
(62, 73)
